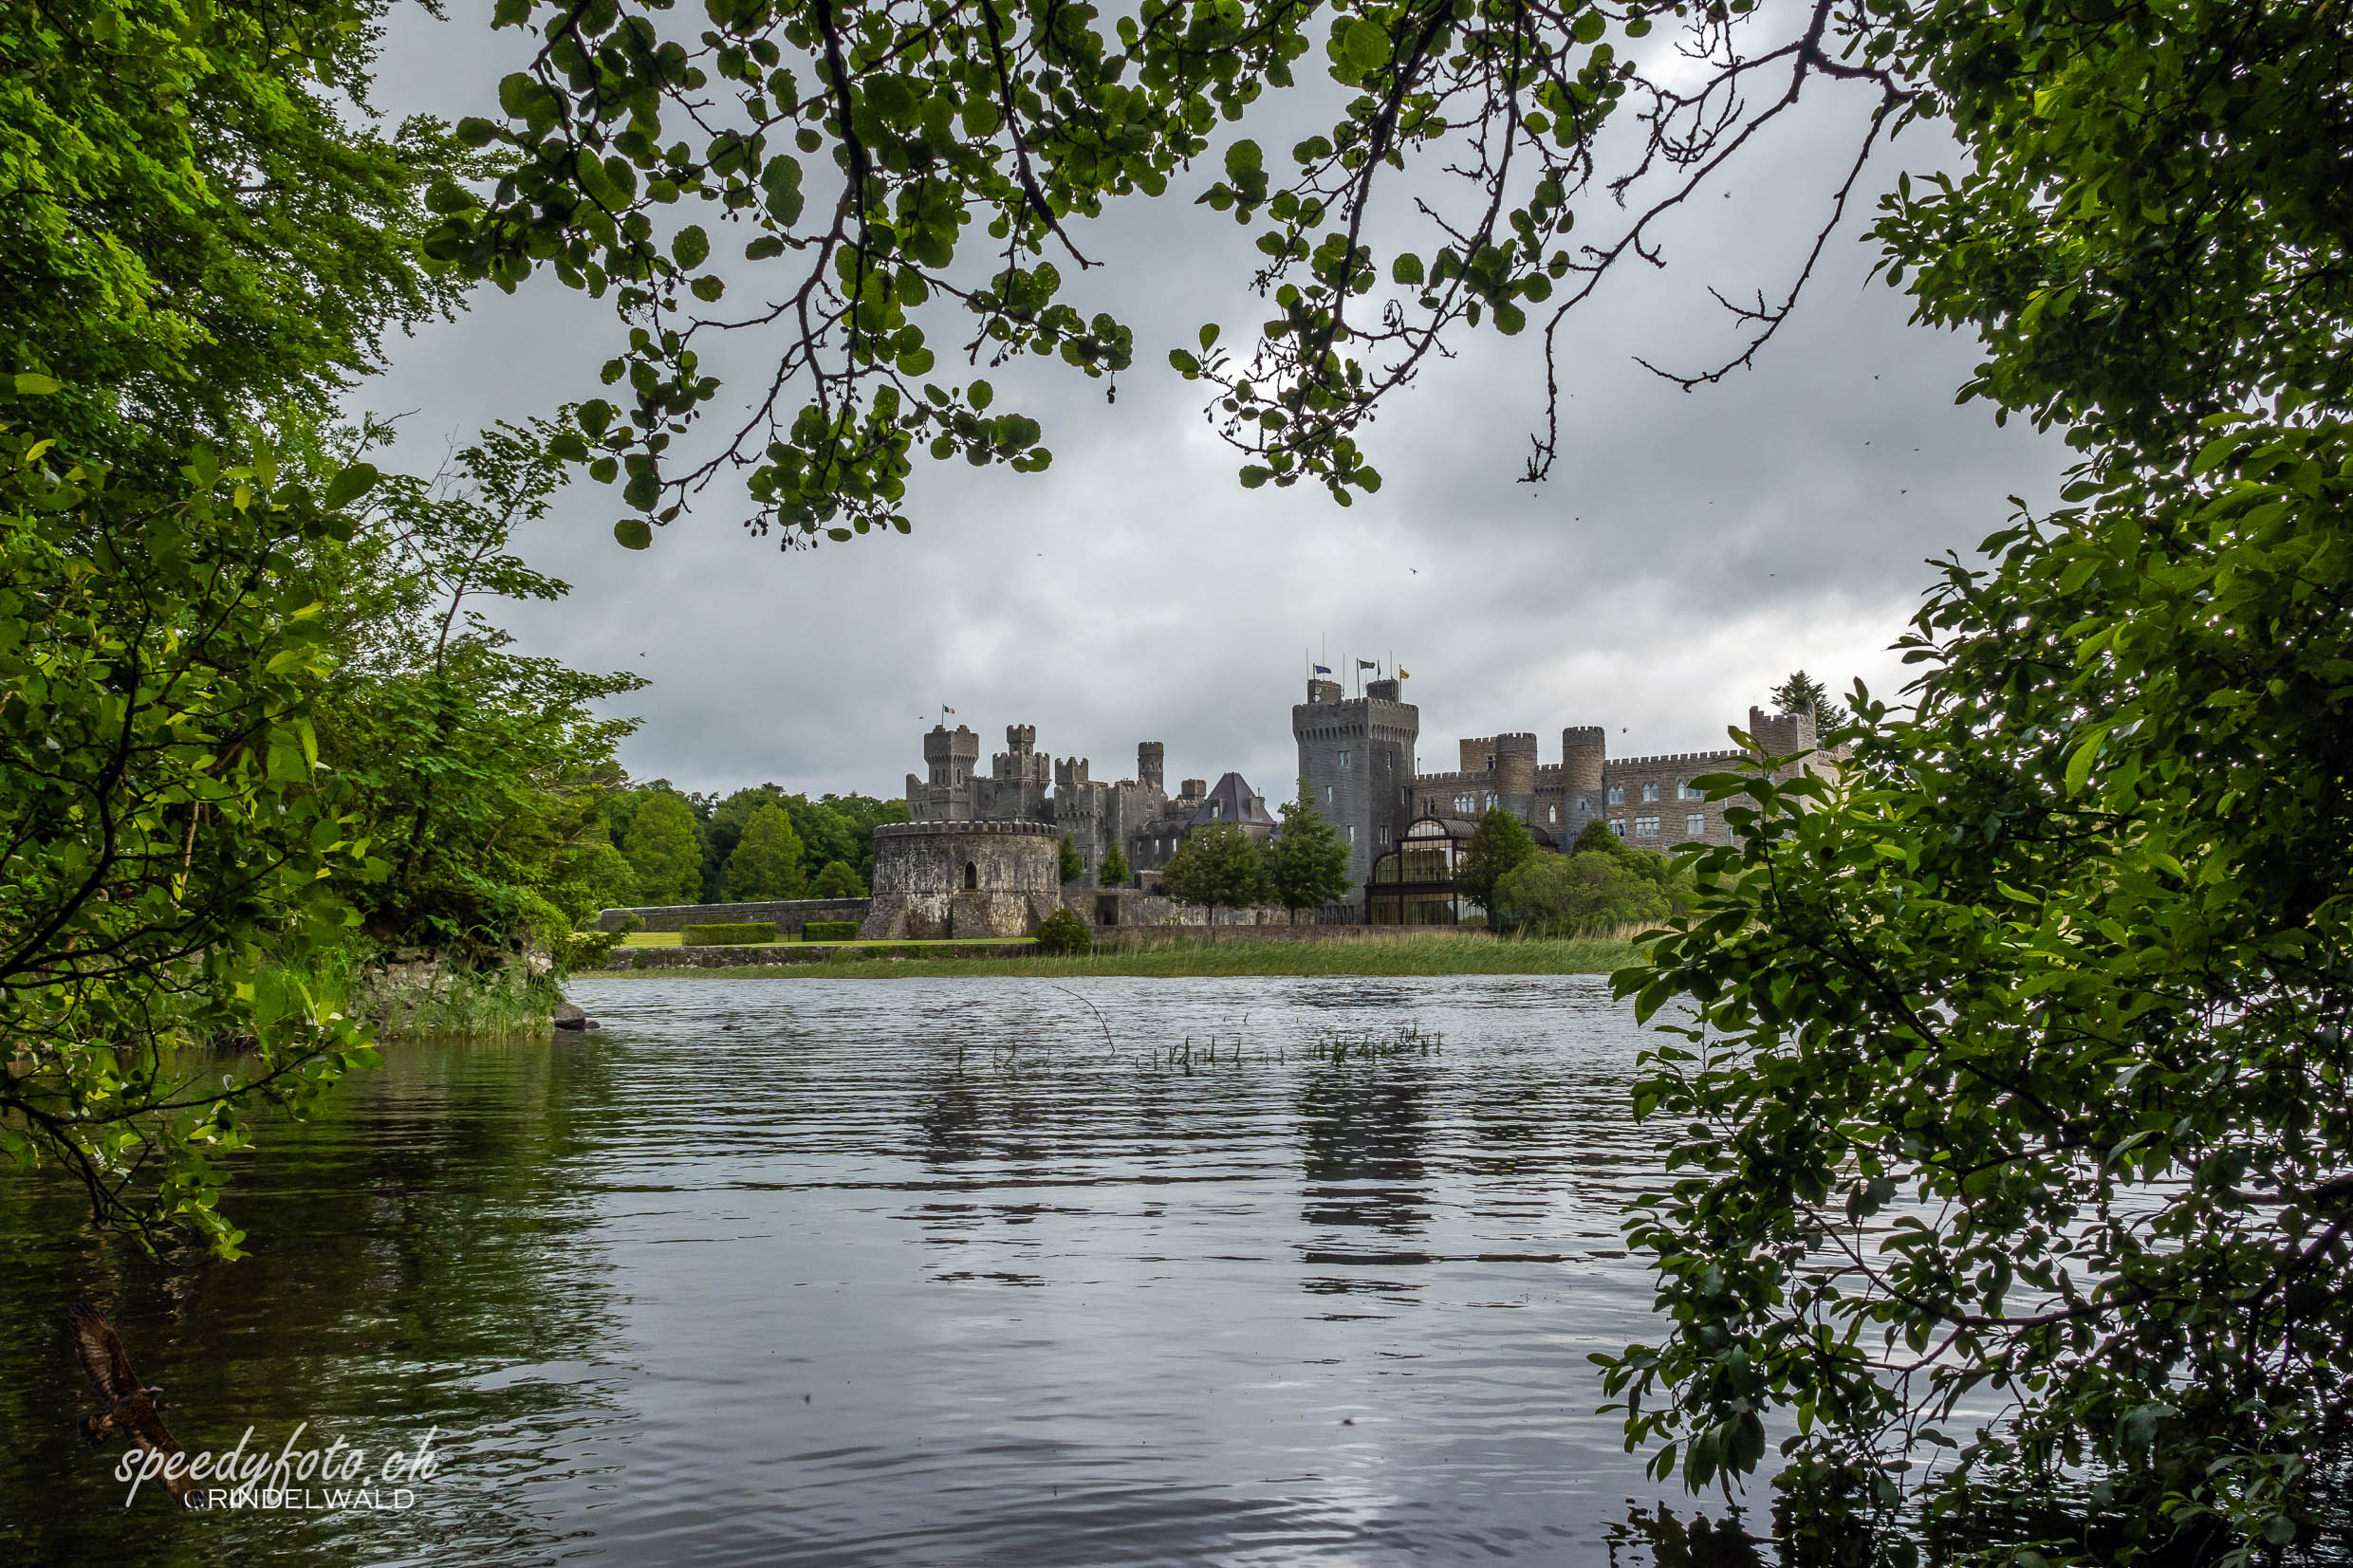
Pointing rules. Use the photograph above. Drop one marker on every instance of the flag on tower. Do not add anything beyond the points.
(1367, 664)
(1323, 669)
(1404, 673)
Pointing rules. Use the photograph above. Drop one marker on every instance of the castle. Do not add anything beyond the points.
(1356, 758)
(1358, 763)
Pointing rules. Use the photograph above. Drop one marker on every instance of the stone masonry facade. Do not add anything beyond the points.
(1357, 755)
(1357, 762)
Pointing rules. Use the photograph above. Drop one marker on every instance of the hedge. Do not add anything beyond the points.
(746, 934)
(829, 930)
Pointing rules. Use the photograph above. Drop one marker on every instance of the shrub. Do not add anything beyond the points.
(742, 934)
(1064, 932)
(829, 930)
(837, 881)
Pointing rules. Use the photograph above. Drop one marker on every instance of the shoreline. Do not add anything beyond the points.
(1178, 958)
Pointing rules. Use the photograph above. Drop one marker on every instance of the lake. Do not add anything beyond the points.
(908, 1272)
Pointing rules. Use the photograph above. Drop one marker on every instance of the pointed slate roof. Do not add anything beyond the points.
(1231, 800)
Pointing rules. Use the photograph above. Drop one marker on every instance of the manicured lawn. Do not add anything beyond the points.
(669, 939)
(1181, 956)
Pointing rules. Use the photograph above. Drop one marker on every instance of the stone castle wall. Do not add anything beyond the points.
(790, 914)
(945, 879)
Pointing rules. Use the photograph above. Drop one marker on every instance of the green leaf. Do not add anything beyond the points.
(351, 483)
(32, 383)
(1406, 269)
(1366, 44)
(690, 246)
(634, 533)
(2087, 753)
(1244, 159)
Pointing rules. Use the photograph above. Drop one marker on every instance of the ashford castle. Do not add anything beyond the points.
(980, 852)
(980, 848)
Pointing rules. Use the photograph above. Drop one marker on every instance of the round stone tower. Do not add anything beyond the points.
(937, 879)
(1516, 765)
(1583, 750)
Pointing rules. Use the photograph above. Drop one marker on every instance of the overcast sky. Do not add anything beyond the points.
(1689, 551)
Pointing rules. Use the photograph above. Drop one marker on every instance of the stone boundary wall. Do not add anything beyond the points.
(789, 914)
(1142, 909)
(1146, 936)
(801, 952)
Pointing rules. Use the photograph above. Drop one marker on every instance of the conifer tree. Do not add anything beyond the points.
(766, 859)
(664, 849)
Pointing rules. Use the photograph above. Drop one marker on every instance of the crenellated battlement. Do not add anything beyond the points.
(1665, 757)
(918, 830)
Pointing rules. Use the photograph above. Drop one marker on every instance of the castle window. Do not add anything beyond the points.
(1552, 814)
(1352, 832)
(1690, 791)
(1616, 794)
(1327, 794)
(1695, 826)
(972, 874)
(1344, 759)
(1647, 827)
(1650, 792)
(1216, 809)
(1617, 826)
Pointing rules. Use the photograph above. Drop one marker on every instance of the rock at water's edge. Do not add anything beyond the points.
(568, 1016)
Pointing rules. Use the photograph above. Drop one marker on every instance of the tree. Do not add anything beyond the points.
(1802, 693)
(664, 849)
(480, 772)
(170, 845)
(1072, 865)
(1217, 867)
(2011, 1105)
(205, 220)
(766, 859)
(1590, 893)
(837, 881)
(601, 879)
(1114, 872)
(1307, 864)
(1497, 846)
(854, 147)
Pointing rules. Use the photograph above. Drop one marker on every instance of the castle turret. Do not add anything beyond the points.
(1515, 767)
(1782, 734)
(951, 753)
(1149, 760)
(1585, 750)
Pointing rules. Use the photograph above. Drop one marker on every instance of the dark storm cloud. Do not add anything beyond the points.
(1688, 552)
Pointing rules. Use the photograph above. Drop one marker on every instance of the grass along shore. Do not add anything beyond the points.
(1177, 957)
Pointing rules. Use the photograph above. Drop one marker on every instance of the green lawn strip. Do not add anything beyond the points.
(1368, 956)
(669, 939)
